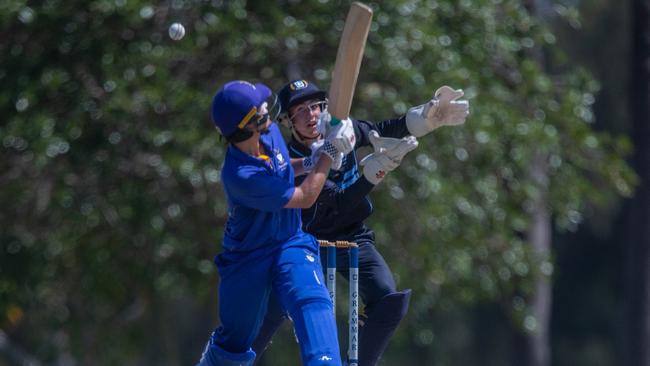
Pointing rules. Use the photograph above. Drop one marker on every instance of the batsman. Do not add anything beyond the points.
(264, 248)
(343, 205)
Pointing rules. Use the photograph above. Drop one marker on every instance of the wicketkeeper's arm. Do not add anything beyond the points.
(388, 128)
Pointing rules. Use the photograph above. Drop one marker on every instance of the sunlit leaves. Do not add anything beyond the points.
(110, 171)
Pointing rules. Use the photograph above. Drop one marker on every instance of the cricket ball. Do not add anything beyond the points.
(176, 31)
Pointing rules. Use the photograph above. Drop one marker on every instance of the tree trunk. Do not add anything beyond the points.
(539, 236)
(537, 345)
(637, 284)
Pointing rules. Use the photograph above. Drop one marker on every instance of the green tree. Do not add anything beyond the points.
(112, 207)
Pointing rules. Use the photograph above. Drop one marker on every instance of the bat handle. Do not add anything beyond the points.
(334, 121)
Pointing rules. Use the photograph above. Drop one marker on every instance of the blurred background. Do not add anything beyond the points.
(524, 234)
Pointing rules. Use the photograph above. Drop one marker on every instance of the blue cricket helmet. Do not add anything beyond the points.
(236, 103)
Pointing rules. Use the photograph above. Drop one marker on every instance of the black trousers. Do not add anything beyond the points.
(375, 277)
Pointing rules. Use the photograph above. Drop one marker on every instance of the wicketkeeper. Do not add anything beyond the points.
(343, 205)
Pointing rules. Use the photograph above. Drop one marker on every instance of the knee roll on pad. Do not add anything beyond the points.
(306, 297)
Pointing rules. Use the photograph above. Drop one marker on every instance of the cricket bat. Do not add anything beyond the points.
(348, 61)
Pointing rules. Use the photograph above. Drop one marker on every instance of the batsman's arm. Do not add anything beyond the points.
(307, 192)
(336, 208)
(298, 166)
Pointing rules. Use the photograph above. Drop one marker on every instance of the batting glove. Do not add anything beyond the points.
(341, 136)
(445, 109)
(309, 163)
(318, 148)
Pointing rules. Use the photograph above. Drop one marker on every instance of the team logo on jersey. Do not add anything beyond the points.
(299, 84)
(282, 164)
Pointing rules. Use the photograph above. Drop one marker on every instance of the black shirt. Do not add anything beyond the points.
(343, 204)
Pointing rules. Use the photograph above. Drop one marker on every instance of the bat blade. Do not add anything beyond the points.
(348, 60)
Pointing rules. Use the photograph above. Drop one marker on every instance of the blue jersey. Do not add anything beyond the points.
(343, 204)
(257, 189)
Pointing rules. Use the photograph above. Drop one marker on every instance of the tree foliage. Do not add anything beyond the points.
(112, 205)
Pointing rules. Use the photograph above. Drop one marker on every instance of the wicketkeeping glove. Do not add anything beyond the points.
(445, 109)
(376, 166)
(394, 148)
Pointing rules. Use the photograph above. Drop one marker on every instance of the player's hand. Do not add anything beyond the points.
(317, 148)
(445, 109)
(324, 122)
(394, 148)
(309, 163)
(376, 166)
(341, 136)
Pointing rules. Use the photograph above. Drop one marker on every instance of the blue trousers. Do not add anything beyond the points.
(295, 278)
